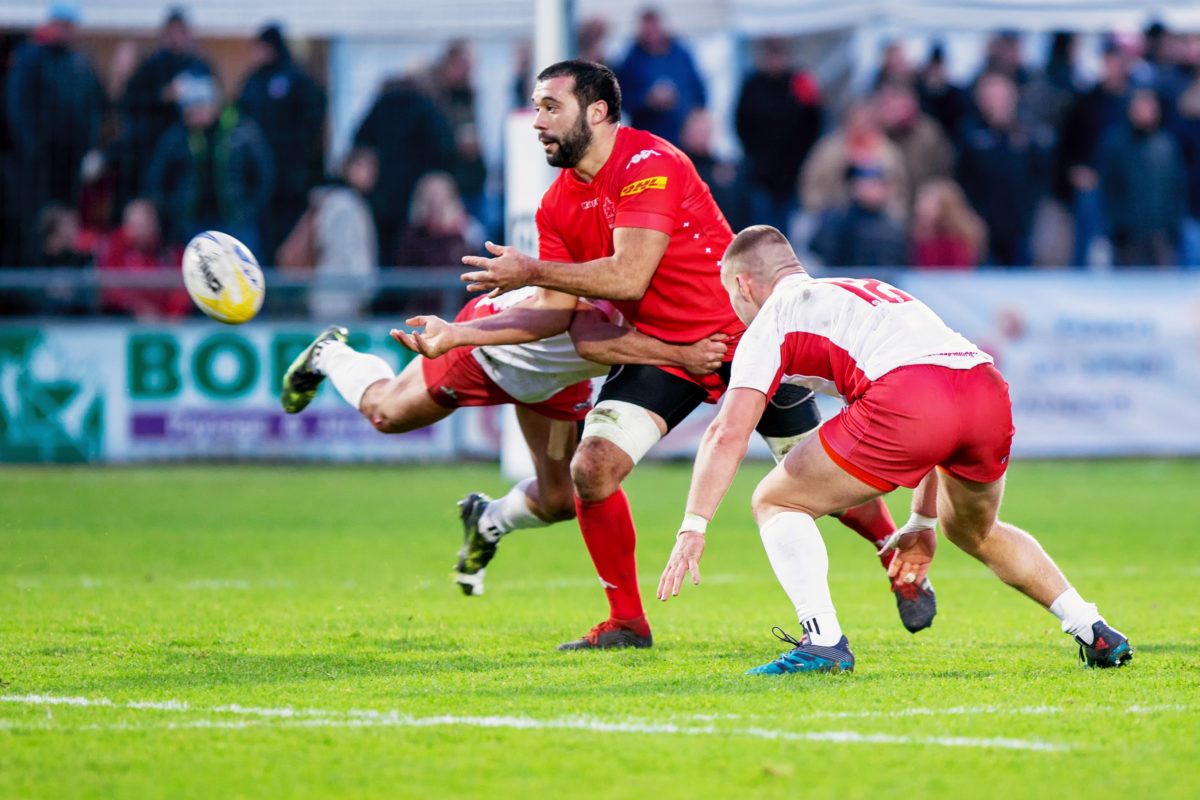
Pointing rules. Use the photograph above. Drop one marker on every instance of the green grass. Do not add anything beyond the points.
(226, 596)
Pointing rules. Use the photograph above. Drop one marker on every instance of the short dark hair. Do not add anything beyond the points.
(592, 82)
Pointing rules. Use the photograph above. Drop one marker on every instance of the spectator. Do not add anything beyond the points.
(137, 246)
(411, 137)
(1186, 126)
(336, 236)
(149, 105)
(659, 82)
(862, 234)
(10, 194)
(1077, 175)
(779, 119)
(940, 99)
(724, 179)
(590, 37)
(59, 246)
(289, 108)
(859, 142)
(1160, 66)
(213, 170)
(1001, 167)
(946, 231)
(1005, 57)
(54, 105)
(894, 67)
(455, 97)
(1052, 90)
(439, 232)
(1142, 180)
(926, 149)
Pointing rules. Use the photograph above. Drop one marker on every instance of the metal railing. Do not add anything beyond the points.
(44, 292)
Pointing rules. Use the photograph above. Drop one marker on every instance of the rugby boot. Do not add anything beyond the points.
(610, 634)
(1109, 648)
(477, 550)
(807, 657)
(300, 382)
(917, 605)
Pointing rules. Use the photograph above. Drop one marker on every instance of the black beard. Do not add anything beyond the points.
(572, 146)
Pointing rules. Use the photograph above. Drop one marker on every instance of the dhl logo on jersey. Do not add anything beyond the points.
(637, 187)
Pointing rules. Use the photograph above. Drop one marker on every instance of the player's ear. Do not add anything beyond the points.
(597, 112)
(743, 289)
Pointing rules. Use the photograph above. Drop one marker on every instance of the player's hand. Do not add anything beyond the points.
(510, 269)
(685, 558)
(437, 339)
(706, 355)
(914, 552)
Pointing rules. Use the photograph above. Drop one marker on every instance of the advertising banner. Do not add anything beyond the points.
(1097, 365)
(129, 392)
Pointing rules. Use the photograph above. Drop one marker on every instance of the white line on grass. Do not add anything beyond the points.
(369, 718)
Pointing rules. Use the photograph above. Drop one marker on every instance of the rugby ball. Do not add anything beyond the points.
(223, 277)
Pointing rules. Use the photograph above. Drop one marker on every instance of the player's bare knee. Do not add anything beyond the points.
(593, 472)
(968, 538)
(767, 501)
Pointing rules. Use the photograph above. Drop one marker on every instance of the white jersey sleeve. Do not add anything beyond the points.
(535, 371)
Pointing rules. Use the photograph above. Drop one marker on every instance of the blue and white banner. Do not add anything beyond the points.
(1097, 365)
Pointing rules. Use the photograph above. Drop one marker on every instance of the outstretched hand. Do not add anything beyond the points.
(706, 355)
(914, 552)
(685, 558)
(510, 269)
(437, 338)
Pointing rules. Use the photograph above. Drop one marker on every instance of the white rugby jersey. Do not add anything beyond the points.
(535, 371)
(837, 335)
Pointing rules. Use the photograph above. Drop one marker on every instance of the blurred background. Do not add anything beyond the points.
(1032, 171)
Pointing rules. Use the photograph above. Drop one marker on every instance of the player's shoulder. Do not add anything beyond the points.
(642, 149)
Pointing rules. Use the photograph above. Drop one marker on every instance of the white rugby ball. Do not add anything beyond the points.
(223, 277)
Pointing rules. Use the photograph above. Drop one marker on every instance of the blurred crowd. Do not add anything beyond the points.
(1024, 166)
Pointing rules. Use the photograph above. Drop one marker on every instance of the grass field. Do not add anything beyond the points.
(267, 632)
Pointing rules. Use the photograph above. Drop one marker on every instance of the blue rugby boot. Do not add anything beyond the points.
(807, 657)
(1109, 648)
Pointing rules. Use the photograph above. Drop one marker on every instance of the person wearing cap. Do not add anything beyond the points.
(148, 106)
(289, 108)
(53, 104)
(212, 170)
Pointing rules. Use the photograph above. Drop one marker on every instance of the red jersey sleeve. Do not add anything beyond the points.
(551, 246)
(653, 186)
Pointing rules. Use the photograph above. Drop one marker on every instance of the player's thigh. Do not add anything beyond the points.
(552, 444)
(808, 480)
(967, 510)
(403, 403)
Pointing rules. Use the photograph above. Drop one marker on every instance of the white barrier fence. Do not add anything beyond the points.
(1098, 366)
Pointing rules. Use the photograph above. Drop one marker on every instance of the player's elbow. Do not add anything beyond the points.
(592, 349)
(726, 437)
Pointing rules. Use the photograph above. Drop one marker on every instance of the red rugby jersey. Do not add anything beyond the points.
(648, 183)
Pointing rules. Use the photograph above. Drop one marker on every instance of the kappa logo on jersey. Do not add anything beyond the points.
(637, 187)
(642, 156)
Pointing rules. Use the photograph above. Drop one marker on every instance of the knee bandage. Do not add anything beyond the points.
(626, 425)
(780, 446)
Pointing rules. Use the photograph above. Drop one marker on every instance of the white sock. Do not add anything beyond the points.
(351, 371)
(1077, 616)
(797, 554)
(508, 513)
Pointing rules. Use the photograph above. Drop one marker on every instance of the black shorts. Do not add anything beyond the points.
(791, 411)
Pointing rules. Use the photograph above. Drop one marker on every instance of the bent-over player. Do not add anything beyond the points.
(919, 396)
